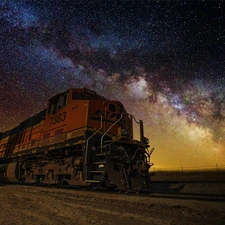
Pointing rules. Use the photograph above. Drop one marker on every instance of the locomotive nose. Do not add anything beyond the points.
(120, 174)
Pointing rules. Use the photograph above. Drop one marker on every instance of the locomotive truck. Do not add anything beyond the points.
(81, 139)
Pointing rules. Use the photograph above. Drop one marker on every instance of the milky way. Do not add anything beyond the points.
(164, 61)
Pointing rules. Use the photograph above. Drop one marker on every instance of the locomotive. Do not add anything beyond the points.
(80, 139)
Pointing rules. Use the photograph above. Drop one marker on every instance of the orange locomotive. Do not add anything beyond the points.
(81, 139)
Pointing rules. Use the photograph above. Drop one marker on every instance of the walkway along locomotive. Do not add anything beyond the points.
(81, 139)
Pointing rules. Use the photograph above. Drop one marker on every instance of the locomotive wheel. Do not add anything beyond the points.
(37, 181)
(59, 184)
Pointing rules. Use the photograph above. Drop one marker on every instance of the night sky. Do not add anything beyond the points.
(164, 60)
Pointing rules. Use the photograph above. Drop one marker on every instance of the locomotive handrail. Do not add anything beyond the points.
(141, 128)
(110, 128)
(135, 119)
(90, 138)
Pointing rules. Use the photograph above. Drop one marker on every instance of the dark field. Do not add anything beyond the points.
(206, 175)
(204, 182)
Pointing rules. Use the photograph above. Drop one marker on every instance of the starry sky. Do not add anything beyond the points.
(164, 60)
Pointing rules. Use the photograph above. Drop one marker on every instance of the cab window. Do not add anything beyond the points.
(57, 103)
(79, 96)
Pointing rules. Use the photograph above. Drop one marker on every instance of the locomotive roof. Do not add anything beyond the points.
(85, 91)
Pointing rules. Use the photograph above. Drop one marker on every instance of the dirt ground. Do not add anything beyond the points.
(30, 205)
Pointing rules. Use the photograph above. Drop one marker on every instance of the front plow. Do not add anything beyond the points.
(126, 175)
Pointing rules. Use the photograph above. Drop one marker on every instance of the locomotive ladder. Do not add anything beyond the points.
(98, 168)
(97, 171)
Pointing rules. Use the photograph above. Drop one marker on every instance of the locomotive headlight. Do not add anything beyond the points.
(146, 141)
(124, 132)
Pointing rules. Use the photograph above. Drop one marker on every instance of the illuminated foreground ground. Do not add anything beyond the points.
(23, 205)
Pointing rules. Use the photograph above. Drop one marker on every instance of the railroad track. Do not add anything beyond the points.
(187, 196)
(169, 195)
(150, 194)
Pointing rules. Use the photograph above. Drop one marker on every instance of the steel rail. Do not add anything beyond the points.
(182, 196)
